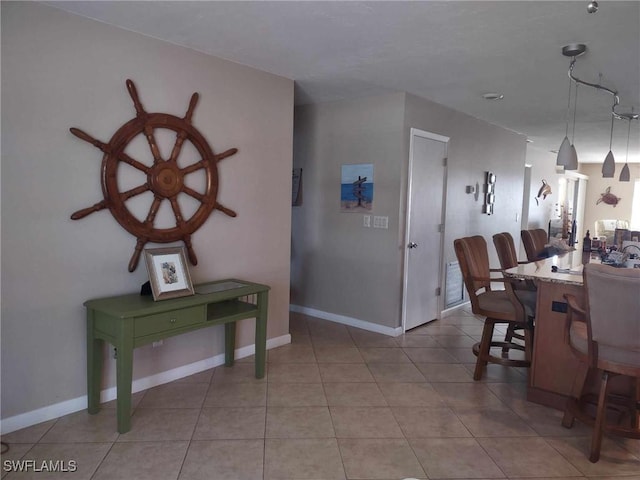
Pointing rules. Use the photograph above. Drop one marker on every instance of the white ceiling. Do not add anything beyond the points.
(450, 52)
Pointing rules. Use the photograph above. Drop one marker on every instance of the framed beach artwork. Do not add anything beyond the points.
(168, 272)
(356, 192)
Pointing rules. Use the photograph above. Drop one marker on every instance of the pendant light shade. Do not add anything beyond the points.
(625, 174)
(609, 166)
(573, 159)
(564, 154)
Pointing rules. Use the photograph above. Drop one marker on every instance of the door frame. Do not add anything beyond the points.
(415, 132)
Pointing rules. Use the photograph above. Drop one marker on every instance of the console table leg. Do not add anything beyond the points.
(94, 366)
(229, 343)
(261, 334)
(124, 377)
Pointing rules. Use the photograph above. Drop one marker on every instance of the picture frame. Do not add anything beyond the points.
(168, 273)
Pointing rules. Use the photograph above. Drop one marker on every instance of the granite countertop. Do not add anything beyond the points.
(569, 269)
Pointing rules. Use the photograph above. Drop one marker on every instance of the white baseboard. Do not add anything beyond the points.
(352, 322)
(57, 410)
(453, 310)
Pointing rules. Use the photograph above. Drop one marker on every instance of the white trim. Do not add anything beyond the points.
(576, 175)
(454, 309)
(57, 410)
(352, 322)
(414, 132)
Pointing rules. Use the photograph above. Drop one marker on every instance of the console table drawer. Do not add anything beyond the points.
(172, 320)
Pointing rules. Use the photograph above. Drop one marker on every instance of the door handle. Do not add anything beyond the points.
(412, 245)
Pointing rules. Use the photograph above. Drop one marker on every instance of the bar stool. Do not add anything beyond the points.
(497, 306)
(534, 242)
(525, 290)
(605, 335)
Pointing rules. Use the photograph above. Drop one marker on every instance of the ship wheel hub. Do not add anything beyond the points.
(166, 180)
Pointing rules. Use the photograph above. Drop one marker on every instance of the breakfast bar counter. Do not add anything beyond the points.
(555, 371)
(554, 368)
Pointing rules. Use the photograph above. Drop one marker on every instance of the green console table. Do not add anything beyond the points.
(130, 321)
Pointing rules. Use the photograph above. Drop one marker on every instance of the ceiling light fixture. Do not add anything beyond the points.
(625, 174)
(565, 154)
(609, 165)
(493, 96)
(573, 154)
(592, 7)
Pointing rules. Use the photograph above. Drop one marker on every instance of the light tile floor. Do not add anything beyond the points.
(337, 403)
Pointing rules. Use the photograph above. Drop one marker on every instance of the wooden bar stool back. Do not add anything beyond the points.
(605, 334)
(534, 242)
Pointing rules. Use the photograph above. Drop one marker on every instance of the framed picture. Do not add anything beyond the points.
(168, 273)
(356, 188)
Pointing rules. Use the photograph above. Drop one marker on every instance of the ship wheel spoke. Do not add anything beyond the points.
(192, 193)
(151, 139)
(153, 211)
(225, 154)
(134, 191)
(176, 211)
(133, 92)
(225, 210)
(133, 263)
(180, 138)
(194, 167)
(89, 139)
(177, 147)
(87, 211)
(133, 162)
(190, 251)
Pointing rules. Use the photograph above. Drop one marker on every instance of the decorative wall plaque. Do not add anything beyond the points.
(489, 193)
(165, 179)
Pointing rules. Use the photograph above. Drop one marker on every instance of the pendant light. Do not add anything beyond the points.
(609, 165)
(564, 153)
(567, 157)
(625, 175)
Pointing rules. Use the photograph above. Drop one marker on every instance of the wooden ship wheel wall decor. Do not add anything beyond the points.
(165, 179)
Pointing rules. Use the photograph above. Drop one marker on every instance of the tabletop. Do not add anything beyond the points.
(569, 269)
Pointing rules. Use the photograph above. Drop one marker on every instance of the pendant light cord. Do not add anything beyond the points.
(611, 135)
(566, 132)
(575, 107)
(626, 159)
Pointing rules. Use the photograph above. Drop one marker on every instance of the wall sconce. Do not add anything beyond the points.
(489, 193)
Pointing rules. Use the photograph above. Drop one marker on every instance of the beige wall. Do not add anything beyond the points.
(338, 266)
(598, 185)
(61, 71)
(543, 167)
(474, 148)
(342, 268)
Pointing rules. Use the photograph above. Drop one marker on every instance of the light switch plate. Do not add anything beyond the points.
(366, 221)
(380, 222)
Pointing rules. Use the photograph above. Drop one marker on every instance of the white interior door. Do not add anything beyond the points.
(424, 229)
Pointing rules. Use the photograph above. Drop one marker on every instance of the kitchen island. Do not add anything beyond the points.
(554, 368)
(555, 371)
